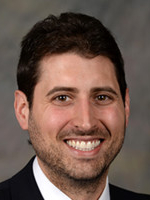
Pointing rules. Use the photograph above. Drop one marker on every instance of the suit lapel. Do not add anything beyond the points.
(23, 185)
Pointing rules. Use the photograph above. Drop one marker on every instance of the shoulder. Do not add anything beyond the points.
(16, 183)
(123, 194)
(5, 190)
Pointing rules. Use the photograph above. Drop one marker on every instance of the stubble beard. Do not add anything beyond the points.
(59, 172)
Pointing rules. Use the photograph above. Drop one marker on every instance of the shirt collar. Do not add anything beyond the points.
(50, 191)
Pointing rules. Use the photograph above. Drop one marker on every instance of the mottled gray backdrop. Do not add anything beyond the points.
(129, 20)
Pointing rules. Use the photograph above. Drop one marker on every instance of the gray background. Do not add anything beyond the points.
(129, 20)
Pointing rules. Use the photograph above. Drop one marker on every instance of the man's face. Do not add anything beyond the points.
(77, 121)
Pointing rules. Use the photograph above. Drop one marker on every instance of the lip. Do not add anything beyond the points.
(84, 153)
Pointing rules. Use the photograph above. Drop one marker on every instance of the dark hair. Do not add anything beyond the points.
(69, 32)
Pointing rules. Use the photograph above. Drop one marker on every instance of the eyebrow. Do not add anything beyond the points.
(75, 90)
(104, 89)
(58, 89)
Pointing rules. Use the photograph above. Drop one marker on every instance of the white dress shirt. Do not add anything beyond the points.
(51, 192)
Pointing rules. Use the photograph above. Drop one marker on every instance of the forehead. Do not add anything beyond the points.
(73, 69)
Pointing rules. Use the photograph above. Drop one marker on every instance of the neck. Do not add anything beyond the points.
(81, 189)
(84, 189)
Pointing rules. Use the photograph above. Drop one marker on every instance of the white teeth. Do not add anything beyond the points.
(83, 145)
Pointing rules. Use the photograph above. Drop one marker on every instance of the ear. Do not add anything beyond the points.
(21, 109)
(127, 106)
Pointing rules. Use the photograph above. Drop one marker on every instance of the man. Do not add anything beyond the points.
(73, 99)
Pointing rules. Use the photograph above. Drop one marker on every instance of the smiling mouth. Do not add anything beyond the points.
(83, 145)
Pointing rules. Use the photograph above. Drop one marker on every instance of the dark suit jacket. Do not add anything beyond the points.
(22, 186)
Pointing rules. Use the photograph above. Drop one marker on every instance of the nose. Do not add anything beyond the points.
(84, 117)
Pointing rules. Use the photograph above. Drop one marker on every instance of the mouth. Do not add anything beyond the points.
(83, 145)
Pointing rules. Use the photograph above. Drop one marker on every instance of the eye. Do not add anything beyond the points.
(103, 99)
(62, 98)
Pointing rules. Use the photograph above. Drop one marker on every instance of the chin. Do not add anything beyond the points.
(89, 174)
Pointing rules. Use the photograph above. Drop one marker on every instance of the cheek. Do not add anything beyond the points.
(54, 120)
(113, 118)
